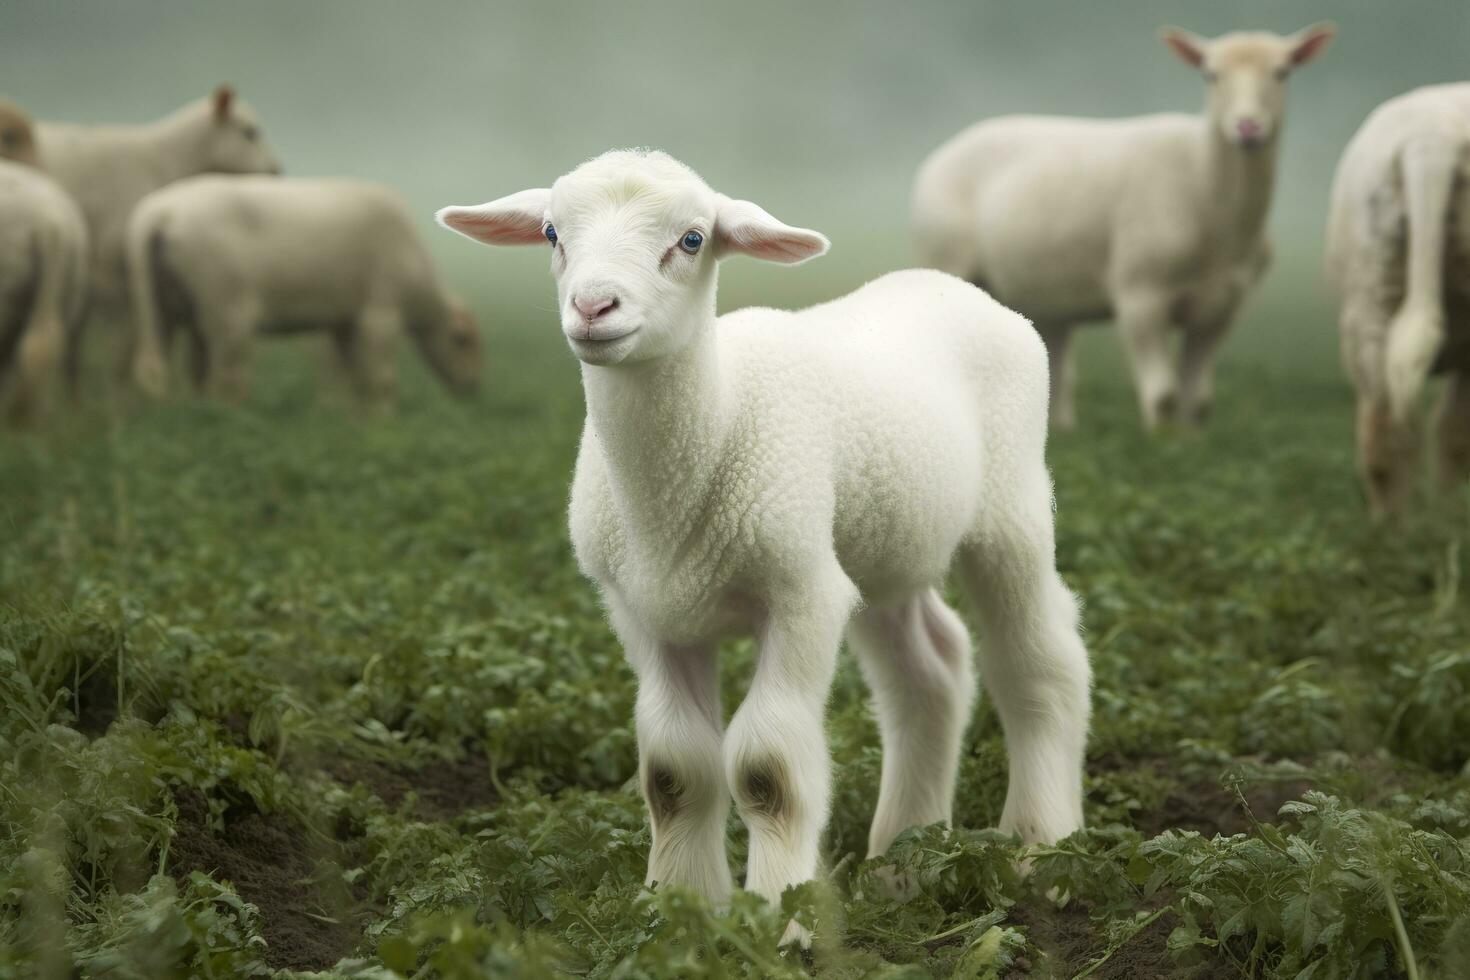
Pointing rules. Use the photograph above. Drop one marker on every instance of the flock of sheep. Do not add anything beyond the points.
(185, 219)
(805, 476)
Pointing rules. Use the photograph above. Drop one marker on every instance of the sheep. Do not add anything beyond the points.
(109, 169)
(1155, 221)
(229, 257)
(43, 256)
(799, 475)
(1398, 255)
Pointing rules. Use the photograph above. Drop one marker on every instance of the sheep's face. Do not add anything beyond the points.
(17, 137)
(233, 141)
(635, 238)
(1246, 73)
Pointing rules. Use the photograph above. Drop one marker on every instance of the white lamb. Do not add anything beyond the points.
(43, 273)
(1398, 253)
(229, 258)
(800, 475)
(1155, 221)
(109, 169)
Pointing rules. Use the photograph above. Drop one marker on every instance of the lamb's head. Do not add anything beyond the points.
(17, 135)
(231, 141)
(635, 238)
(1247, 72)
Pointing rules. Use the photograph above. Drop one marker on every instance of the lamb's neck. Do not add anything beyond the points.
(1241, 182)
(660, 425)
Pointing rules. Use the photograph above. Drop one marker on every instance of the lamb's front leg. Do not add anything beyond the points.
(680, 768)
(776, 750)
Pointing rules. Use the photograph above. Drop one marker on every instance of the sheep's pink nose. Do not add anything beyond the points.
(591, 309)
(1248, 129)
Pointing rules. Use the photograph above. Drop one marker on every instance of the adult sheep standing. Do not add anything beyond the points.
(109, 169)
(228, 258)
(1398, 254)
(798, 475)
(43, 271)
(1156, 221)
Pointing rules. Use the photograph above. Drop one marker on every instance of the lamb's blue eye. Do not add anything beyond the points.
(550, 232)
(691, 241)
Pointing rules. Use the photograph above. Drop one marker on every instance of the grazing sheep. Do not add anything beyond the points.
(229, 257)
(1398, 253)
(109, 169)
(1156, 221)
(798, 475)
(17, 135)
(43, 283)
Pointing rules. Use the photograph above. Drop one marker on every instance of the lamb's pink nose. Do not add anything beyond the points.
(1248, 129)
(591, 309)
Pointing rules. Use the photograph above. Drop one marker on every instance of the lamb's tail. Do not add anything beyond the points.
(145, 245)
(1428, 169)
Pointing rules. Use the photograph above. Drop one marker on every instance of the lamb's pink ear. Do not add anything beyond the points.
(1189, 47)
(224, 100)
(518, 219)
(745, 228)
(1309, 42)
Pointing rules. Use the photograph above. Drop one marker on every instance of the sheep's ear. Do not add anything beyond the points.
(518, 219)
(223, 100)
(1189, 47)
(745, 228)
(1309, 42)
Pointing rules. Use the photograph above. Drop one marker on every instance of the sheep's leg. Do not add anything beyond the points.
(372, 354)
(1454, 432)
(1144, 323)
(1197, 371)
(680, 765)
(1032, 663)
(71, 367)
(1063, 360)
(916, 658)
(776, 749)
(228, 329)
(36, 364)
(1387, 451)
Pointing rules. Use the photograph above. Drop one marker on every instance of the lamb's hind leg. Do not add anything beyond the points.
(1032, 662)
(680, 766)
(916, 658)
(1388, 450)
(36, 366)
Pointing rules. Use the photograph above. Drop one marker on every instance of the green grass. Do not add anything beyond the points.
(282, 684)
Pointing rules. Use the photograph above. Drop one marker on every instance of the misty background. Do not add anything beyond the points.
(819, 111)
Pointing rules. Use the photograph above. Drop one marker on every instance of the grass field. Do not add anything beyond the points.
(284, 688)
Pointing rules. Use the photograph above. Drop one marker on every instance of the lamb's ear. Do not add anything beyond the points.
(1309, 42)
(518, 219)
(1189, 47)
(223, 101)
(745, 228)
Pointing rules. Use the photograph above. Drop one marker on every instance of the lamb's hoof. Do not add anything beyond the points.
(796, 936)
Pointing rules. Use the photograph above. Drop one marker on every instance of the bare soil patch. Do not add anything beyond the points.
(442, 790)
(270, 861)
